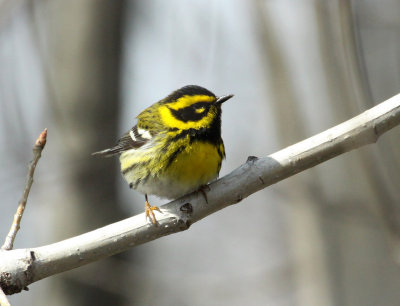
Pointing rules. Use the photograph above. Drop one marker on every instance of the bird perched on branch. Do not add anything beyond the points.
(175, 147)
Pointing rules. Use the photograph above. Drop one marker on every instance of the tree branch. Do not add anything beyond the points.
(3, 299)
(19, 268)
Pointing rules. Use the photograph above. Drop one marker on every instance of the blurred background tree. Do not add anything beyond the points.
(84, 69)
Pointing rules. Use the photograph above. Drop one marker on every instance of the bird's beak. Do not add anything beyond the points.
(222, 99)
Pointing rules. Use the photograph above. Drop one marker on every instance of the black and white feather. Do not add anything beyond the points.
(133, 139)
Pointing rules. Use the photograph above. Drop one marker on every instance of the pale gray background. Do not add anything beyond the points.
(84, 69)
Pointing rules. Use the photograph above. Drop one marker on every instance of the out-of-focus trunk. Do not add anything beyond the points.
(85, 40)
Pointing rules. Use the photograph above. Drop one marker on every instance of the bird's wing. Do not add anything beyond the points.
(133, 139)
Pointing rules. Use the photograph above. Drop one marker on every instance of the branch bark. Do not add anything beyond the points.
(3, 299)
(21, 267)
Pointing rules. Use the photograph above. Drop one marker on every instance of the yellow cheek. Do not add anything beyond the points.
(170, 121)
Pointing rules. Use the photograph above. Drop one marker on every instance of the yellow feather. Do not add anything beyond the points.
(169, 120)
(197, 165)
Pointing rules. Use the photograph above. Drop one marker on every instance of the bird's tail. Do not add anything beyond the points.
(108, 152)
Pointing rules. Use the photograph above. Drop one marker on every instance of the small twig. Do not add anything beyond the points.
(37, 152)
(21, 267)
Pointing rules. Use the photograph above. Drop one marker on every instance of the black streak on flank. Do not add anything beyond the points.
(134, 166)
(173, 156)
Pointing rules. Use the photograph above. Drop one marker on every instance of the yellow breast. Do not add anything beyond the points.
(152, 171)
(198, 164)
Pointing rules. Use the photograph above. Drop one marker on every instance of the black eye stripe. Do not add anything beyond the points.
(189, 113)
(200, 105)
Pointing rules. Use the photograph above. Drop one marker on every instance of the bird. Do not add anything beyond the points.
(175, 147)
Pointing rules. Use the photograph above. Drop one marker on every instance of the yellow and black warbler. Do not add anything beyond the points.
(175, 147)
